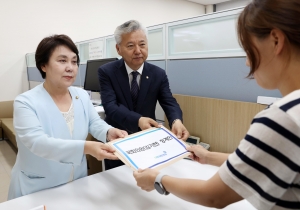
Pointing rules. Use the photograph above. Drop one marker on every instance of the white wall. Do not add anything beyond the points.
(231, 4)
(25, 23)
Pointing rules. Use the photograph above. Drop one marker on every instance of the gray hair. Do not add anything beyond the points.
(128, 27)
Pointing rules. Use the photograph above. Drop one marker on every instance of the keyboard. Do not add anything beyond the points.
(96, 102)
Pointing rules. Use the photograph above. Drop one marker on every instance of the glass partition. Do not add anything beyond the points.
(30, 60)
(156, 42)
(204, 37)
(84, 52)
(110, 48)
(210, 35)
(90, 50)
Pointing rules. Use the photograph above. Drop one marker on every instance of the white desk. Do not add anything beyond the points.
(115, 190)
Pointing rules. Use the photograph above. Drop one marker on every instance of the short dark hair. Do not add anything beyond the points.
(46, 47)
(260, 17)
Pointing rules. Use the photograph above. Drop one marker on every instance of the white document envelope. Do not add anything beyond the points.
(151, 148)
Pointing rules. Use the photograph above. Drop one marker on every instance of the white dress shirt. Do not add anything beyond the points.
(138, 78)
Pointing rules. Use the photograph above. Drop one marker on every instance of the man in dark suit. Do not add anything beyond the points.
(131, 87)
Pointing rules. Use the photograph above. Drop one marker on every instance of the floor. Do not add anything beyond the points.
(7, 161)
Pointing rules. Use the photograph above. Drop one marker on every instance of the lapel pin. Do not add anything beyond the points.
(147, 77)
(76, 97)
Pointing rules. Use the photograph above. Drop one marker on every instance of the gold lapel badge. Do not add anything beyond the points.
(76, 97)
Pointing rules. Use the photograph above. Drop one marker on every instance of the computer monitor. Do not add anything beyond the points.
(91, 81)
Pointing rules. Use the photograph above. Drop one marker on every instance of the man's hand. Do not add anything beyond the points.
(114, 133)
(145, 178)
(179, 130)
(145, 123)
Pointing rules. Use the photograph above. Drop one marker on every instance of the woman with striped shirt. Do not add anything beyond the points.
(265, 167)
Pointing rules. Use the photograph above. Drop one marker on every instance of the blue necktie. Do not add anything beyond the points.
(134, 89)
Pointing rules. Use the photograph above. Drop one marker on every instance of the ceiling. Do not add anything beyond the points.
(207, 2)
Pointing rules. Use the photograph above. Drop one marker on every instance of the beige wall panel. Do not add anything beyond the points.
(221, 123)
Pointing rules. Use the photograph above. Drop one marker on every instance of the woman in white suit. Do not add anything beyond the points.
(52, 121)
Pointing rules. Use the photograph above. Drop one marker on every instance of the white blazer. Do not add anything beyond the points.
(48, 155)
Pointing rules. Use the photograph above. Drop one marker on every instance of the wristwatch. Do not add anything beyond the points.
(158, 185)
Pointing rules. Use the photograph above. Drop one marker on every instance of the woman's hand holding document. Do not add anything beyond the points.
(151, 148)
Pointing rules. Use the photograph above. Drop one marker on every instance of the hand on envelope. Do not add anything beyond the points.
(180, 130)
(103, 151)
(198, 153)
(146, 122)
(145, 178)
(99, 150)
(115, 133)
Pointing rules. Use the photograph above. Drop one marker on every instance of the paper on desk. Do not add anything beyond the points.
(42, 207)
(152, 148)
(99, 108)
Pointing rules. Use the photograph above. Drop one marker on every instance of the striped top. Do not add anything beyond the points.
(265, 167)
